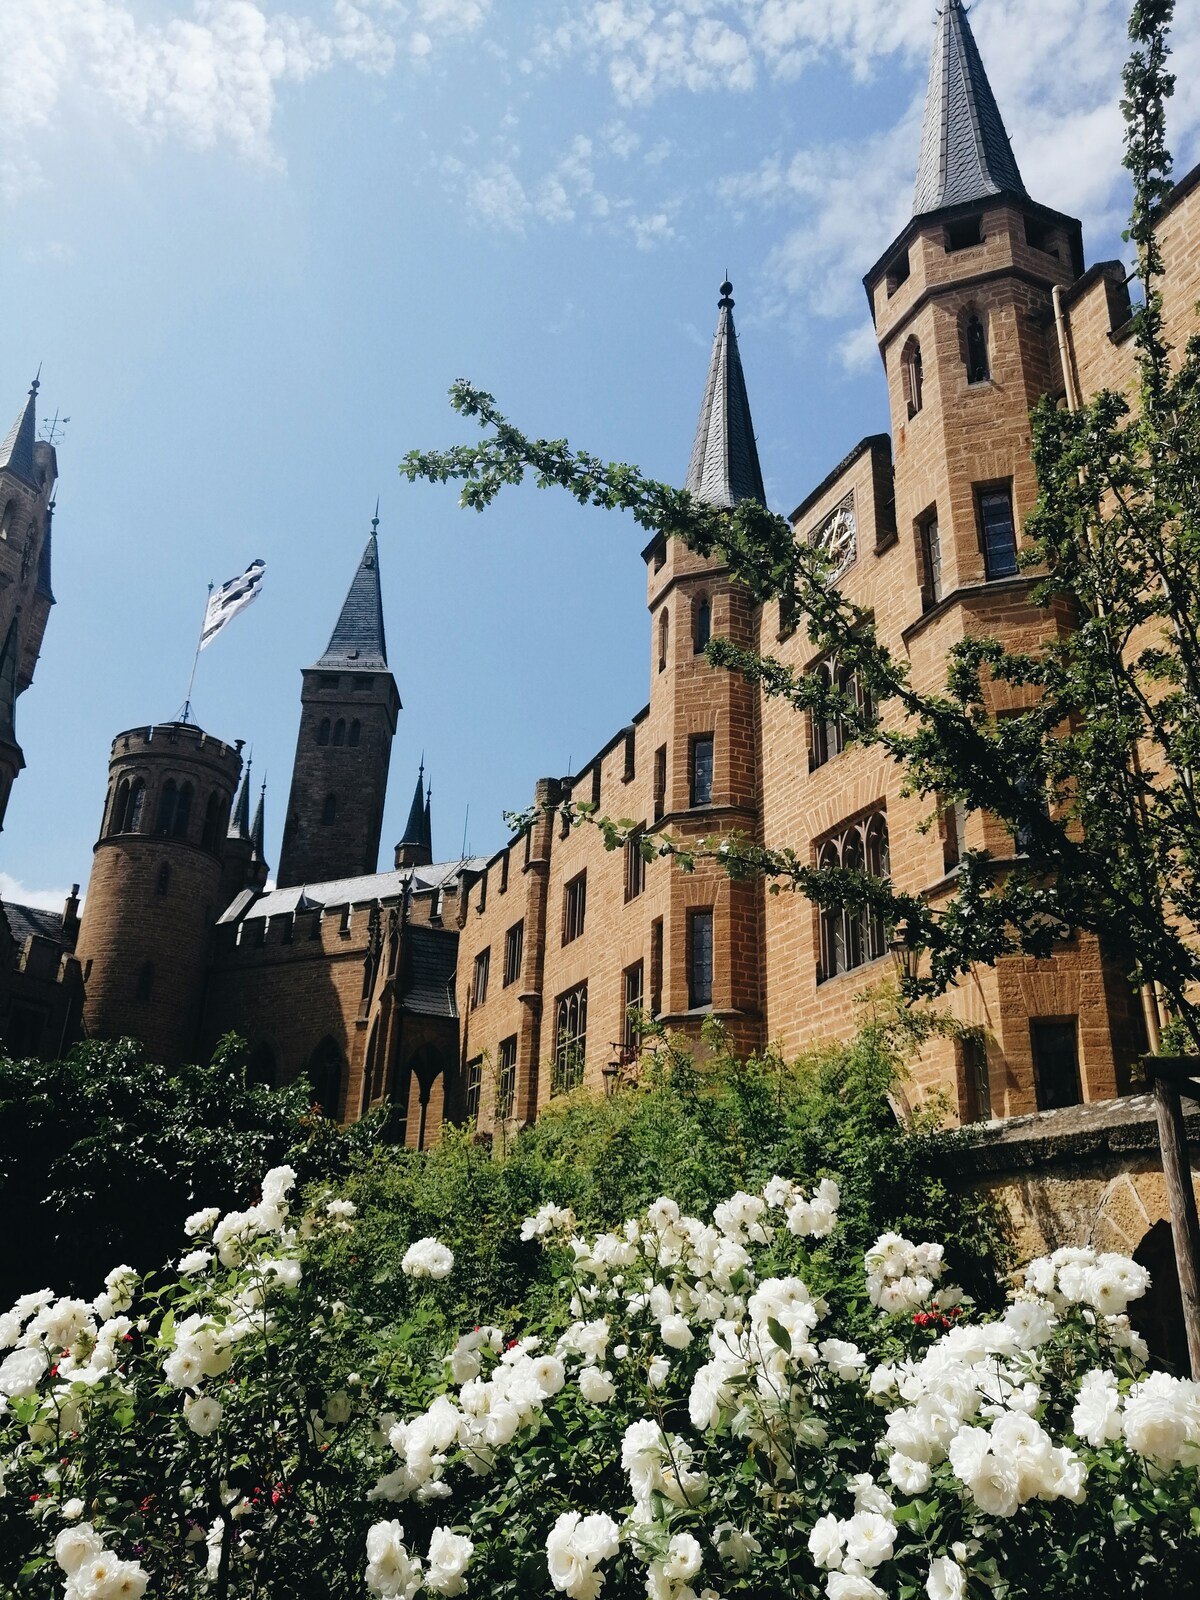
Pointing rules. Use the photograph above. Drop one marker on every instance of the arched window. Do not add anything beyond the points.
(323, 731)
(145, 981)
(702, 632)
(355, 733)
(664, 635)
(329, 809)
(978, 369)
(183, 811)
(210, 834)
(120, 810)
(339, 731)
(852, 935)
(913, 377)
(164, 879)
(166, 807)
(137, 802)
(325, 1073)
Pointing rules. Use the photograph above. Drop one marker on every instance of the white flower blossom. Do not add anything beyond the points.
(427, 1258)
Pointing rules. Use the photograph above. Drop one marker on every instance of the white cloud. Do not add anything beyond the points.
(19, 894)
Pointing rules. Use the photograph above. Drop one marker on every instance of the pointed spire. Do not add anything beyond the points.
(8, 685)
(239, 821)
(257, 827)
(414, 828)
(965, 153)
(724, 466)
(427, 831)
(16, 453)
(357, 642)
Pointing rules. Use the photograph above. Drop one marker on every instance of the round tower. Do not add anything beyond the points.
(154, 891)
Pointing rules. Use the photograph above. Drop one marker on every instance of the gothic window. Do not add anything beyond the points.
(164, 879)
(702, 769)
(574, 907)
(211, 832)
(853, 935)
(339, 731)
(931, 558)
(703, 624)
(830, 734)
(325, 1075)
(913, 375)
(978, 369)
(167, 801)
(329, 810)
(137, 802)
(120, 810)
(323, 731)
(700, 958)
(355, 733)
(183, 811)
(998, 533)
(570, 1039)
(145, 981)
(506, 1086)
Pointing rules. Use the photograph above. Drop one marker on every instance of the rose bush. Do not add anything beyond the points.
(683, 1422)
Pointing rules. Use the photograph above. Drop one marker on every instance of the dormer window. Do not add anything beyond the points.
(962, 235)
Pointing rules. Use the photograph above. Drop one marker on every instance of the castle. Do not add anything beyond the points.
(476, 990)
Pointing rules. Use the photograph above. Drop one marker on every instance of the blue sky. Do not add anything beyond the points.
(252, 245)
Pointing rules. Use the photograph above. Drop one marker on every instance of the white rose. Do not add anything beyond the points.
(447, 1561)
(684, 1558)
(659, 1371)
(391, 1570)
(735, 1546)
(76, 1545)
(870, 1538)
(849, 1586)
(201, 1221)
(596, 1385)
(21, 1372)
(427, 1258)
(909, 1476)
(675, 1332)
(72, 1509)
(827, 1541)
(946, 1580)
(844, 1360)
(204, 1415)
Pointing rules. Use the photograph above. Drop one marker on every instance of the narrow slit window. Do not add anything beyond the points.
(700, 958)
(978, 368)
(702, 769)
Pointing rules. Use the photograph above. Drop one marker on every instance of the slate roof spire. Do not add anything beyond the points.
(724, 466)
(965, 152)
(427, 832)
(16, 453)
(239, 821)
(416, 846)
(357, 642)
(257, 827)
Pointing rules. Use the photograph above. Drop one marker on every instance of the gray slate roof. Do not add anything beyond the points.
(724, 466)
(16, 453)
(965, 152)
(430, 958)
(357, 642)
(349, 891)
(24, 920)
(414, 828)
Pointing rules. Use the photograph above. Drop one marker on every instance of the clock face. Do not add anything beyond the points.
(838, 537)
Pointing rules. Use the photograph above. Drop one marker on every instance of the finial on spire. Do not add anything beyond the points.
(37, 382)
(375, 518)
(726, 300)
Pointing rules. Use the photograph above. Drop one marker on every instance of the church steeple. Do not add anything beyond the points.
(965, 152)
(724, 466)
(16, 453)
(415, 849)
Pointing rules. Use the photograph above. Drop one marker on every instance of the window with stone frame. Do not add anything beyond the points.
(700, 957)
(997, 531)
(479, 977)
(701, 769)
(660, 782)
(1055, 1043)
(574, 907)
(656, 966)
(701, 624)
(976, 1084)
(664, 636)
(472, 1089)
(829, 736)
(912, 374)
(975, 347)
(506, 1077)
(635, 864)
(634, 1003)
(930, 537)
(570, 1039)
(514, 949)
(851, 936)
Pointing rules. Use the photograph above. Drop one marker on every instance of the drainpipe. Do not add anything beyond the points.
(1065, 353)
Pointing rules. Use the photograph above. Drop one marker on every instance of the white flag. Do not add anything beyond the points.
(225, 603)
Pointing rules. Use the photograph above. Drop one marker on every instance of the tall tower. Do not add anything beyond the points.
(154, 892)
(964, 315)
(348, 708)
(28, 470)
(704, 721)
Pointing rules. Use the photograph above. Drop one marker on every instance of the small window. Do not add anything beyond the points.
(635, 1000)
(702, 769)
(931, 559)
(339, 731)
(660, 782)
(145, 981)
(596, 784)
(163, 883)
(656, 966)
(1040, 236)
(479, 981)
(953, 825)
(635, 864)
(664, 638)
(1056, 1063)
(506, 1082)
(660, 555)
(514, 950)
(978, 367)
(898, 273)
(344, 924)
(355, 734)
(570, 1040)
(329, 810)
(702, 631)
(483, 889)
(912, 374)
(999, 534)
(574, 907)
(977, 1089)
(472, 1087)
(323, 731)
(504, 873)
(962, 235)
(700, 958)
(630, 771)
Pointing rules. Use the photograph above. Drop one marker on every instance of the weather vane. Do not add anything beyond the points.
(54, 430)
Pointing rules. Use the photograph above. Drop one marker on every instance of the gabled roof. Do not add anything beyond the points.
(357, 641)
(16, 453)
(724, 466)
(965, 152)
(26, 920)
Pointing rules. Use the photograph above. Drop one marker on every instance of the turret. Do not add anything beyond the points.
(348, 709)
(244, 865)
(155, 887)
(416, 847)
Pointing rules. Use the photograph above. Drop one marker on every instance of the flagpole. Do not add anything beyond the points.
(186, 714)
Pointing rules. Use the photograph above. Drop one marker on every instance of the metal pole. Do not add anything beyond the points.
(185, 715)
